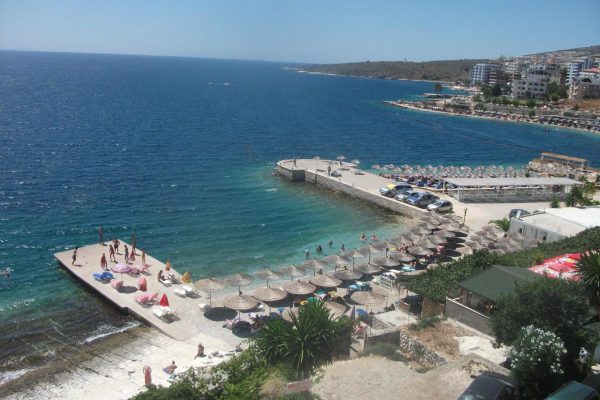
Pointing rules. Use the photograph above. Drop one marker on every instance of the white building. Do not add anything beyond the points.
(534, 85)
(554, 224)
(576, 66)
(480, 73)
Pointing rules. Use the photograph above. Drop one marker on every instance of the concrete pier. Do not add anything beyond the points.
(88, 262)
(353, 182)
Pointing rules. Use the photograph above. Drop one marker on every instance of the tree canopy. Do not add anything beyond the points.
(554, 305)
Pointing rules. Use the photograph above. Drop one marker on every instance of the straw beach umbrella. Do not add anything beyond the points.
(420, 230)
(298, 288)
(354, 254)
(403, 257)
(267, 274)
(314, 264)
(368, 268)
(465, 250)
(436, 239)
(387, 262)
(209, 285)
(239, 280)
(325, 281)
(348, 274)
(367, 298)
(445, 234)
(336, 259)
(269, 294)
(240, 303)
(419, 251)
(293, 270)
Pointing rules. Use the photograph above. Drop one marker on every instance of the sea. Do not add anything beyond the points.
(181, 151)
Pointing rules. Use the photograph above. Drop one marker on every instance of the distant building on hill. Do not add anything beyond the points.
(534, 84)
(481, 73)
(576, 66)
(586, 85)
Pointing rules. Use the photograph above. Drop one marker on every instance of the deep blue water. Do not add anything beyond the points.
(165, 147)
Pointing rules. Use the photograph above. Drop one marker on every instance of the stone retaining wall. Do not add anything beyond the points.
(407, 345)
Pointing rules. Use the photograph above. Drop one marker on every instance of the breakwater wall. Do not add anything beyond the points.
(342, 184)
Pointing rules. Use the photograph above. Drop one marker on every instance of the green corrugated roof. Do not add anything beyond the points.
(497, 281)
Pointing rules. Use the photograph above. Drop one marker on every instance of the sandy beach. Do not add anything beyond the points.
(409, 107)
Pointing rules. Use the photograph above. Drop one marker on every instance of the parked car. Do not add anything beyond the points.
(421, 199)
(491, 386)
(575, 391)
(440, 206)
(404, 194)
(393, 189)
(517, 213)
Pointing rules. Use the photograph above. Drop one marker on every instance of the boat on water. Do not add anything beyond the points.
(6, 272)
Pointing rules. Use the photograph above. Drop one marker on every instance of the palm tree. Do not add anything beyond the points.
(503, 223)
(589, 274)
(309, 341)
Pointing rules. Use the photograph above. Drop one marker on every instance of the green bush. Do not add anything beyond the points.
(536, 362)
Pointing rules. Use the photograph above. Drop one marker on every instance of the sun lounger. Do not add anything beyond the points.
(164, 312)
(179, 292)
(189, 291)
(103, 276)
(142, 298)
(166, 282)
(117, 284)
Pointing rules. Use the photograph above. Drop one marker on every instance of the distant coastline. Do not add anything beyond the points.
(525, 120)
(302, 71)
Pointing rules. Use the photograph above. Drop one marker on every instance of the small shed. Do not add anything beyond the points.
(482, 290)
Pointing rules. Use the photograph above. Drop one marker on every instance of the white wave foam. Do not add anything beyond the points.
(8, 376)
(270, 190)
(107, 330)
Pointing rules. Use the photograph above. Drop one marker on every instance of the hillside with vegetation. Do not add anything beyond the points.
(449, 70)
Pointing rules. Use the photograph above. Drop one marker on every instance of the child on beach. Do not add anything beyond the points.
(143, 256)
(126, 254)
(103, 263)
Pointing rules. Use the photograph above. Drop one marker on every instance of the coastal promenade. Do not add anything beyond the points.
(188, 323)
(353, 182)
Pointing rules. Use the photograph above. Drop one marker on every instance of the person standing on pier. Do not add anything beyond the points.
(133, 242)
(111, 253)
(143, 257)
(74, 256)
(103, 263)
(116, 243)
(126, 254)
(101, 235)
(329, 169)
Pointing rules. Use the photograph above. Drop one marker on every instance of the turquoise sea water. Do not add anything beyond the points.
(182, 151)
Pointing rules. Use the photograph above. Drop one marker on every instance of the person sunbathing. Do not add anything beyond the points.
(170, 369)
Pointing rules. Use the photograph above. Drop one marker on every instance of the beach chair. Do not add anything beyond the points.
(103, 276)
(179, 292)
(117, 284)
(142, 299)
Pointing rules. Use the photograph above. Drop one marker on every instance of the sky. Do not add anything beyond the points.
(310, 31)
